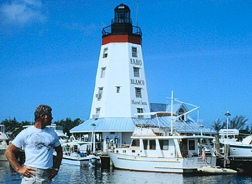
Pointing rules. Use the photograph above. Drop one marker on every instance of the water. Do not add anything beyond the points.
(76, 175)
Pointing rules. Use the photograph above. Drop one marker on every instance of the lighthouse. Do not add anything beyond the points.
(120, 87)
(120, 92)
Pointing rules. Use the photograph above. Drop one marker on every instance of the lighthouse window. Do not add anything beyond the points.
(134, 51)
(103, 72)
(136, 72)
(140, 110)
(105, 52)
(138, 92)
(99, 94)
(117, 89)
(97, 112)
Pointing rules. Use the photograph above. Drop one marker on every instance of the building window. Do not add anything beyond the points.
(136, 72)
(181, 114)
(105, 53)
(98, 110)
(117, 89)
(140, 110)
(138, 92)
(99, 94)
(134, 51)
(103, 72)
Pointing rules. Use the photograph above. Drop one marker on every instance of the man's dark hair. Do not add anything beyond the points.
(42, 110)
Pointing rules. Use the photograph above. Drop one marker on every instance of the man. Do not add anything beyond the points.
(38, 142)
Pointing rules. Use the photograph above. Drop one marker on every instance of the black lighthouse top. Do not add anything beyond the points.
(121, 14)
(121, 24)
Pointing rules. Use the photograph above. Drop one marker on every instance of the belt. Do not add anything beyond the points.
(42, 171)
(38, 169)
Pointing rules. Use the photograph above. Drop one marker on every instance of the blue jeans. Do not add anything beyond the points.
(40, 177)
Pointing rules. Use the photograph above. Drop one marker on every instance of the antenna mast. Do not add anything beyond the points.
(136, 12)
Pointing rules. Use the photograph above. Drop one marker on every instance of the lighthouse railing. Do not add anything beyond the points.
(135, 31)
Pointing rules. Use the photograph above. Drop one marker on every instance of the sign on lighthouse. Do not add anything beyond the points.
(120, 87)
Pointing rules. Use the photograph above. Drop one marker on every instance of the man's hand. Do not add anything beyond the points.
(52, 173)
(26, 171)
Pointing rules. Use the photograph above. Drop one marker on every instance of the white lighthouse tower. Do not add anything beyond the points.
(121, 87)
(120, 90)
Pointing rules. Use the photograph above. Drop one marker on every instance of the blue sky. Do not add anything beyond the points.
(202, 50)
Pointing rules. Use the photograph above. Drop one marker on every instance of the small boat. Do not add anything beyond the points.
(3, 142)
(238, 153)
(59, 131)
(78, 153)
(236, 149)
(63, 138)
(216, 170)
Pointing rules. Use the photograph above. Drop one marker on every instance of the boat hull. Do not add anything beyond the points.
(158, 164)
(74, 161)
(240, 151)
(80, 161)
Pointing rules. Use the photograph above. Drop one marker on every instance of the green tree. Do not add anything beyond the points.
(218, 125)
(68, 124)
(238, 122)
(13, 127)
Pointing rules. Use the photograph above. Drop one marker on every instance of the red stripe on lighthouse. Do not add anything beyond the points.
(121, 38)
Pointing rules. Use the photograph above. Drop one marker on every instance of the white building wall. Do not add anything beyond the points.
(119, 72)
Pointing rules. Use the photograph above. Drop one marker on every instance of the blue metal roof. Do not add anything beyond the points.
(129, 124)
(106, 125)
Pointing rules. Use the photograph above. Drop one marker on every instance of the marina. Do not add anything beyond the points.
(143, 142)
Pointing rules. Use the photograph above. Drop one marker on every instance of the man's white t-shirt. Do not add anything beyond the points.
(38, 145)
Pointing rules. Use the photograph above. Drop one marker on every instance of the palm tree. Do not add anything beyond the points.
(238, 122)
(218, 125)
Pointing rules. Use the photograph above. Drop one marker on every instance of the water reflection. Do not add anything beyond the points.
(97, 175)
(7, 173)
(76, 175)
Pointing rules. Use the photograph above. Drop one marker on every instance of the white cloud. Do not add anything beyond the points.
(21, 12)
